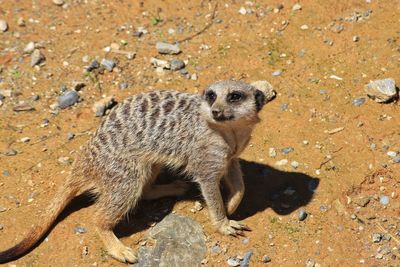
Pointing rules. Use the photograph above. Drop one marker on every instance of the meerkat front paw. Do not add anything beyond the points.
(123, 254)
(233, 228)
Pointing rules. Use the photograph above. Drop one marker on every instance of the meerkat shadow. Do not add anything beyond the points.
(267, 187)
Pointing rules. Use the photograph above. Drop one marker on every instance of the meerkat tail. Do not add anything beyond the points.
(63, 198)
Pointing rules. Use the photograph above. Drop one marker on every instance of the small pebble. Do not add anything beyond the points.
(384, 200)
(108, 64)
(266, 259)
(356, 38)
(21, 22)
(67, 99)
(35, 97)
(216, 249)
(304, 27)
(272, 152)
(287, 150)
(358, 101)
(6, 173)
(100, 107)
(25, 139)
(2, 209)
(123, 86)
(165, 48)
(1, 227)
(93, 65)
(302, 215)
(277, 73)
(37, 57)
(79, 230)
(391, 154)
(58, 2)
(296, 7)
(294, 164)
(70, 136)
(183, 71)
(284, 106)
(245, 241)
(396, 159)
(29, 48)
(194, 77)
(177, 64)
(3, 26)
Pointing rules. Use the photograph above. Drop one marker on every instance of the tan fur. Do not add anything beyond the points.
(203, 135)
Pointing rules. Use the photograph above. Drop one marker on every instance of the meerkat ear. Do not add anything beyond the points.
(260, 99)
(263, 94)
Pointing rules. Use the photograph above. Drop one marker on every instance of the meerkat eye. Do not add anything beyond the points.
(235, 97)
(210, 97)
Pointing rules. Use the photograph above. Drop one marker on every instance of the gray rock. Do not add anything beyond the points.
(35, 97)
(180, 241)
(310, 263)
(358, 101)
(391, 154)
(183, 71)
(177, 64)
(381, 90)
(396, 159)
(165, 48)
(3, 25)
(246, 259)
(302, 215)
(69, 98)
(6, 173)
(37, 57)
(266, 87)
(284, 106)
(216, 249)
(108, 64)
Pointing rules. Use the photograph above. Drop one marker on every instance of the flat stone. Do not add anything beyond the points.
(266, 259)
(296, 7)
(29, 48)
(23, 107)
(10, 152)
(246, 259)
(381, 90)
(362, 201)
(358, 101)
(266, 88)
(233, 262)
(281, 162)
(69, 98)
(302, 215)
(165, 48)
(159, 63)
(37, 57)
(179, 241)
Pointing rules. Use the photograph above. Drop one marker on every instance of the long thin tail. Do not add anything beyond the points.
(63, 198)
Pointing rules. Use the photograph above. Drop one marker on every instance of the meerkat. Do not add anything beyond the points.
(202, 134)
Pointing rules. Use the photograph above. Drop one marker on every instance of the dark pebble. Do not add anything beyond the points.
(137, 34)
(93, 65)
(177, 64)
(2, 97)
(302, 215)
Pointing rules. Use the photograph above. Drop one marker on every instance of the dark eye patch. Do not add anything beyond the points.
(235, 97)
(210, 97)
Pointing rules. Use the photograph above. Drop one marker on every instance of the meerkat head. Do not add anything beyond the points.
(232, 101)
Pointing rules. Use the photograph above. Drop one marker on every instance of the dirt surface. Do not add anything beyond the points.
(347, 166)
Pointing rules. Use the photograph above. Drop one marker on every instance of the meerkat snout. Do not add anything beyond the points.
(227, 101)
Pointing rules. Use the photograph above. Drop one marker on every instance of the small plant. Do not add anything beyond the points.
(155, 20)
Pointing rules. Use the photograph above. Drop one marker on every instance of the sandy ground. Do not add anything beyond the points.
(308, 46)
